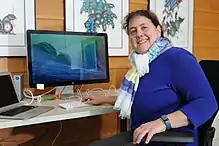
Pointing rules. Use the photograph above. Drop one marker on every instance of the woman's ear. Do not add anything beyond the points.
(159, 30)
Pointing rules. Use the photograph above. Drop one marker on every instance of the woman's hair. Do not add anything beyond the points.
(146, 13)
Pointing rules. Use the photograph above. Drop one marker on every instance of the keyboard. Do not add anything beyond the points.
(17, 110)
(73, 104)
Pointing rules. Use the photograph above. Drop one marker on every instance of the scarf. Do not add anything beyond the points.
(140, 67)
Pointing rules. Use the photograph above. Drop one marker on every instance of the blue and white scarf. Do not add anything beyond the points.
(140, 67)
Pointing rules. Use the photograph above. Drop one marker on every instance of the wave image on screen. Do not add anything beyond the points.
(67, 58)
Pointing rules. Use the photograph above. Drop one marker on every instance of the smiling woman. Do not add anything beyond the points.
(143, 29)
(164, 88)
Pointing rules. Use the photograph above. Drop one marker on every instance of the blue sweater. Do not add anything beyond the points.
(175, 82)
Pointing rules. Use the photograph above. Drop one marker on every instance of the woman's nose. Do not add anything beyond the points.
(139, 33)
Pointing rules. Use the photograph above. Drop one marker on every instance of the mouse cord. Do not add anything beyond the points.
(60, 130)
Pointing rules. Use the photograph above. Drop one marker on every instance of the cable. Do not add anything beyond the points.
(60, 130)
(89, 92)
(29, 94)
(63, 89)
(112, 87)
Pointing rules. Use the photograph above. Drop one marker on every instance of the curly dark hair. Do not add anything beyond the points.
(146, 13)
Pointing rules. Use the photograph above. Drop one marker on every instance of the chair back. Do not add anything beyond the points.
(211, 70)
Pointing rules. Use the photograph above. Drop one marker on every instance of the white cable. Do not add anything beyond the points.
(89, 92)
(60, 130)
(29, 94)
(112, 86)
(79, 94)
(75, 96)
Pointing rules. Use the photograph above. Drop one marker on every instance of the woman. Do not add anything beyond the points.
(164, 89)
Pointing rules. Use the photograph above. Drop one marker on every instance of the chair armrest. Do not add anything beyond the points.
(174, 137)
(208, 139)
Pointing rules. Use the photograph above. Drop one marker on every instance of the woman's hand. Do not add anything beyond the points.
(147, 130)
(95, 99)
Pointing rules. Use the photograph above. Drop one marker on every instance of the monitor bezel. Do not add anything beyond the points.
(73, 82)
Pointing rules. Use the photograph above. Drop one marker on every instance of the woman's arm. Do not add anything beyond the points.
(192, 87)
(110, 100)
(178, 119)
(100, 99)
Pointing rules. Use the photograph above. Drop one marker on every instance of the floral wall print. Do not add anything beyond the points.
(176, 17)
(100, 16)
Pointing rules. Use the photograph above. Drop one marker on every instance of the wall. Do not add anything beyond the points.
(206, 28)
(50, 16)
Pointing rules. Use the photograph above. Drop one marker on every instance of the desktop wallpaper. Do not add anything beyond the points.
(67, 58)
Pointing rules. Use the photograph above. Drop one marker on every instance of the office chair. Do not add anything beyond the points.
(206, 131)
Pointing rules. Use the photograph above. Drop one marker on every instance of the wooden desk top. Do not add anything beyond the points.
(58, 114)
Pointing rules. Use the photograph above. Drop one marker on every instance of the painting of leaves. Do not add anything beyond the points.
(100, 15)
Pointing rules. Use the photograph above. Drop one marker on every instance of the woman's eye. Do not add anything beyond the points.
(132, 31)
(144, 28)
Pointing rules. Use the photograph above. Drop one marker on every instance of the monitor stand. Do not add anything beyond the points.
(66, 91)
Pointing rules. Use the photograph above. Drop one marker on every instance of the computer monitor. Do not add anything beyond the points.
(60, 58)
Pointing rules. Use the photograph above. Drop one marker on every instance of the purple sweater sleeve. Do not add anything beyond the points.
(190, 82)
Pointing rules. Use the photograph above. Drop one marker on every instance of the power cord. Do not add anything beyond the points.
(60, 130)
(29, 94)
(89, 92)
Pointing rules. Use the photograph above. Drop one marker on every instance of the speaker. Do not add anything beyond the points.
(18, 82)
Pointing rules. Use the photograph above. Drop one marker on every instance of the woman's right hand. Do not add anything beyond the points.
(91, 99)
(95, 99)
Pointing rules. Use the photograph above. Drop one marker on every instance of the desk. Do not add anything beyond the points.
(58, 114)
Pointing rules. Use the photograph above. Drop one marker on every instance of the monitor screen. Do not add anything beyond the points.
(8, 93)
(58, 58)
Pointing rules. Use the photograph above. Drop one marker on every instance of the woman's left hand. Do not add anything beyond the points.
(147, 130)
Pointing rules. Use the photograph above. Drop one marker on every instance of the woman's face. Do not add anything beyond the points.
(142, 33)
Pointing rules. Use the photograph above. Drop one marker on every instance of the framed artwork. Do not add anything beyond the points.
(16, 16)
(176, 18)
(103, 16)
